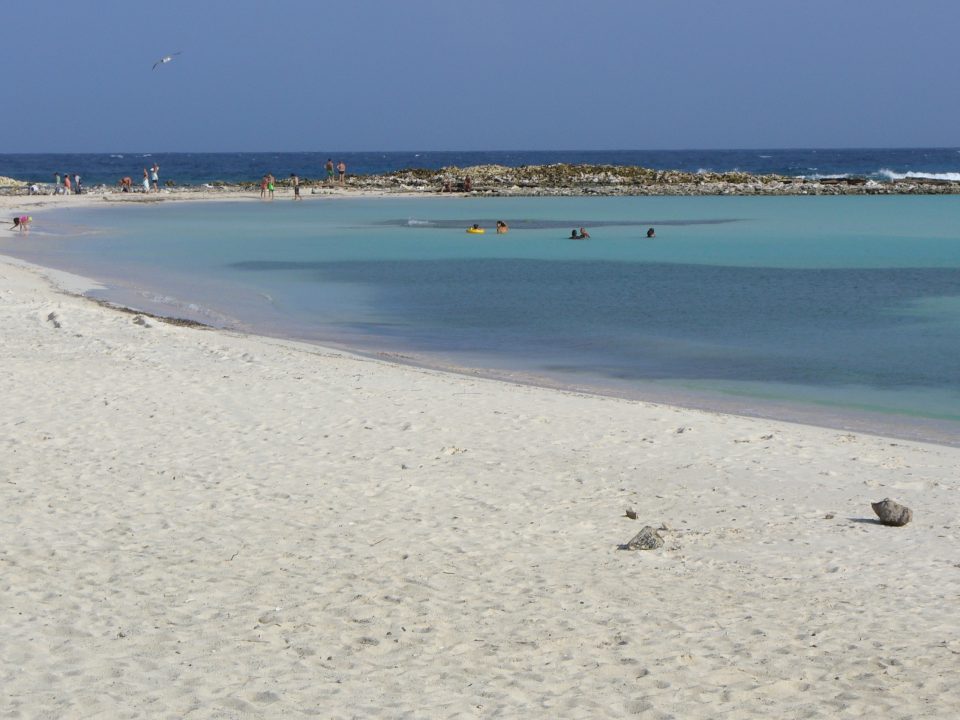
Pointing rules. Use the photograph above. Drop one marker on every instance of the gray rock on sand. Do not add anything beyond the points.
(646, 539)
(892, 513)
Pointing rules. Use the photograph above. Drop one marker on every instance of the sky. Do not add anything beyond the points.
(300, 75)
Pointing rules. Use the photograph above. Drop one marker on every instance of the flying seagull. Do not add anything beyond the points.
(164, 60)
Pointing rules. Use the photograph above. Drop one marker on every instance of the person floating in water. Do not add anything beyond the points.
(502, 227)
(651, 233)
(584, 234)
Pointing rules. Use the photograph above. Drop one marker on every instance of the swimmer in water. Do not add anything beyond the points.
(502, 227)
(584, 234)
(651, 233)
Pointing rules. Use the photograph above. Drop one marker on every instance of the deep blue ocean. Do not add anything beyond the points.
(198, 168)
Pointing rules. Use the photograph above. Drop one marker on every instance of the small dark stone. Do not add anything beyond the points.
(646, 539)
(631, 513)
(892, 513)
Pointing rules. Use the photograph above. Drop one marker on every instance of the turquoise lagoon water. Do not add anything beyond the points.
(843, 311)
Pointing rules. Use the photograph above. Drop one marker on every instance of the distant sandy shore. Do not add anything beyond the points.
(558, 180)
(10, 204)
(205, 524)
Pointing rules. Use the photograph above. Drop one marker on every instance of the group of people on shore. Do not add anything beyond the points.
(267, 186)
(151, 180)
(67, 186)
(466, 185)
(341, 169)
(335, 173)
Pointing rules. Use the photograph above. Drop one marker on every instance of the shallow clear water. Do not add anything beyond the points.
(786, 306)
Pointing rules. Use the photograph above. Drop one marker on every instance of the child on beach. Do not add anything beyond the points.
(270, 184)
(295, 179)
(263, 187)
(146, 181)
(22, 222)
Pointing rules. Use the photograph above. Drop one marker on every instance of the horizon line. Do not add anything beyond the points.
(514, 150)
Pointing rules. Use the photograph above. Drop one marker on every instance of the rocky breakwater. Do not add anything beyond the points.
(563, 179)
(9, 186)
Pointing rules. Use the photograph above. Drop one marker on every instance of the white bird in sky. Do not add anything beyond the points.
(164, 60)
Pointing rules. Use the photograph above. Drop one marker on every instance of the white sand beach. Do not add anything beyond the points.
(204, 524)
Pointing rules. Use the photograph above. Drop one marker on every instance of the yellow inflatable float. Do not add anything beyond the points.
(476, 230)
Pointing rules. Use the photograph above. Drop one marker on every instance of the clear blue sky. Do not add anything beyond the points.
(485, 75)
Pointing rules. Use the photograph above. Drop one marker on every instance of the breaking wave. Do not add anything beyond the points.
(891, 175)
